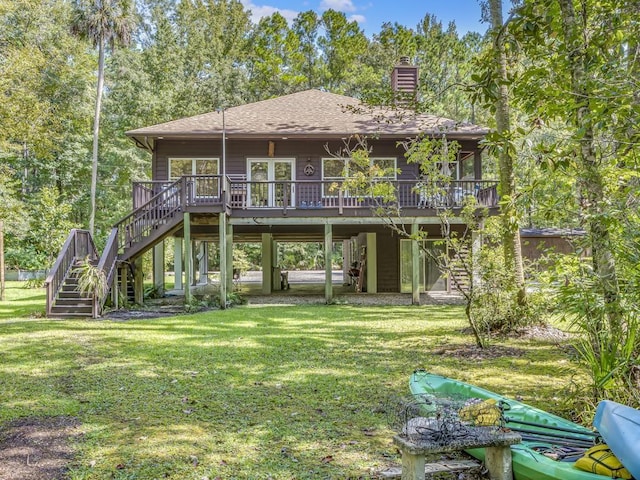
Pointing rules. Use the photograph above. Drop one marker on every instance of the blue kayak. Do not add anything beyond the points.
(543, 433)
(619, 425)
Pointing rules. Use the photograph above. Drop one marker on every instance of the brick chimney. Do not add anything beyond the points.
(404, 81)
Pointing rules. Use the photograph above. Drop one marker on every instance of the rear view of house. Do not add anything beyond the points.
(265, 172)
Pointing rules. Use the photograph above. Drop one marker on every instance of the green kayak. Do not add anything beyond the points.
(550, 444)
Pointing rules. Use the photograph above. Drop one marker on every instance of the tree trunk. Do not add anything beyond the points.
(96, 134)
(1, 260)
(511, 234)
(590, 181)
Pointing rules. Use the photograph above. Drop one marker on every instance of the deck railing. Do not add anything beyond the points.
(198, 189)
(169, 199)
(308, 194)
(312, 194)
(78, 245)
(107, 265)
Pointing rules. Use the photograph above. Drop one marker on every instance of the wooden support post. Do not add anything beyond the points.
(222, 236)
(372, 263)
(415, 265)
(124, 282)
(115, 292)
(194, 262)
(158, 267)
(138, 281)
(477, 164)
(328, 255)
(188, 257)
(229, 249)
(203, 262)
(498, 462)
(412, 466)
(267, 266)
(275, 271)
(177, 262)
(347, 260)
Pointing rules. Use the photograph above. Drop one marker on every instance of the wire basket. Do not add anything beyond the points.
(445, 420)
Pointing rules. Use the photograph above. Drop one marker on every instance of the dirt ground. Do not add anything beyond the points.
(37, 448)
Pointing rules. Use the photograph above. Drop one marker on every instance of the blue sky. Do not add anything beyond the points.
(370, 14)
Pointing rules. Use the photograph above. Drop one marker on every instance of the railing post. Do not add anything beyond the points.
(94, 306)
(285, 200)
(227, 190)
(49, 298)
(183, 192)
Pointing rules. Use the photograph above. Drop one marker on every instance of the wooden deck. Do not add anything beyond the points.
(307, 197)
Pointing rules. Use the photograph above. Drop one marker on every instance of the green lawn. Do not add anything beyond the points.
(255, 393)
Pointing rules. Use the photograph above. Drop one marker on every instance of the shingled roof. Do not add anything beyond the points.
(307, 114)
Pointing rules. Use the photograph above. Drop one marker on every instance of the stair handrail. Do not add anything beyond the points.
(165, 203)
(78, 244)
(106, 265)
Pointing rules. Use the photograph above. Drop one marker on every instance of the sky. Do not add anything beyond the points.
(371, 14)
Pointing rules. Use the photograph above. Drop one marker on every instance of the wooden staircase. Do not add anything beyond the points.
(70, 302)
(125, 277)
(460, 266)
(143, 228)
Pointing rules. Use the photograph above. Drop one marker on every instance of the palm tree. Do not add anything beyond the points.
(104, 23)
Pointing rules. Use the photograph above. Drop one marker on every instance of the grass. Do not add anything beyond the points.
(21, 303)
(246, 393)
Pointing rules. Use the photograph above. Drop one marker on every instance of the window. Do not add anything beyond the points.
(337, 170)
(179, 167)
(449, 170)
(467, 166)
(204, 187)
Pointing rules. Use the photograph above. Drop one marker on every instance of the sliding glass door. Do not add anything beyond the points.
(432, 279)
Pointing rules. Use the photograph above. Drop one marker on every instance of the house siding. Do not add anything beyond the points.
(388, 259)
(304, 151)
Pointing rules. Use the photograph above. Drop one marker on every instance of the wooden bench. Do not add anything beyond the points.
(497, 454)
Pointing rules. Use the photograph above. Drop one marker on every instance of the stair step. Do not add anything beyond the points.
(69, 294)
(69, 315)
(70, 288)
(57, 309)
(78, 301)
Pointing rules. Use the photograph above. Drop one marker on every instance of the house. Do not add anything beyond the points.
(264, 172)
(538, 243)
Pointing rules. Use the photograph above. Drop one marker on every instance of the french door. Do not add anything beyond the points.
(271, 182)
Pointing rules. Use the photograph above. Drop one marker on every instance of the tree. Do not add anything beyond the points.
(341, 45)
(275, 48)
(212, 37)
(104, 23)
(45, 76)
(50, 223)
(506, 151)
(579, 74)
(306, 26)
(477, 275)
(12, 218)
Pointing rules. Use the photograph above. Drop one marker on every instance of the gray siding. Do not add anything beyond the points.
(388, 260)
(304, 151)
